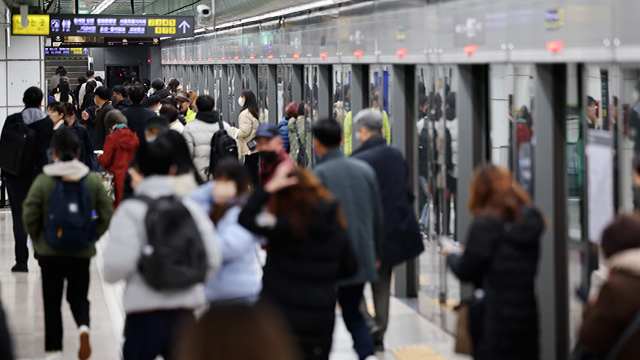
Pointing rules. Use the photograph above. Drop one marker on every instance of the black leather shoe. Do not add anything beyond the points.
(19, 267)
(379, 346)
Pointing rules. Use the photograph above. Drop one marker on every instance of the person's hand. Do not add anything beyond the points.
(136, 177)
(223, 191)
(281, 178)
(85, 115)
(378, 264)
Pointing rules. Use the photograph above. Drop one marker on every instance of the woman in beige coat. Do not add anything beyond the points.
(246, 131)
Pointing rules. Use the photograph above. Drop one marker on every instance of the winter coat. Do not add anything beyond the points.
(83, 89)
(246, 130)
(87, 155)
(617, 304)
(402, 239)
(304, 134)
(300, 275)
(88, 101)
(126, 238)
(501, 257)
(71, 99)
(348, 127)
(283, 129)
(122, 105)
(240, 277)
(97, 126)
(137, 116)
(353, 182)
(119, 149)
(198, 134)
(36, 205)
(177, 126)
(37, 120)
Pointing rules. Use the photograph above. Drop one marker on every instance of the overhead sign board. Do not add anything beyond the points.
(65, 51)
(121, 26)
(36, 25)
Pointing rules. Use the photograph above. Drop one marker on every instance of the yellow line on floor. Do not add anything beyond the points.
(416, 352)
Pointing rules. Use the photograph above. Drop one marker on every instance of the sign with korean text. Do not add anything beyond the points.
(36, 25)
(66, 51)
(121, 26)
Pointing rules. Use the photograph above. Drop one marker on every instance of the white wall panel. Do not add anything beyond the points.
(25, 47)
(21, 76)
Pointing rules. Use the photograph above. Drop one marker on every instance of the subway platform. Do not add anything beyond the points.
(410, 335)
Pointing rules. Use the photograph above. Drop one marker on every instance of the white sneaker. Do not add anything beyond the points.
(371, 357)
(84, 350)
(54, 355)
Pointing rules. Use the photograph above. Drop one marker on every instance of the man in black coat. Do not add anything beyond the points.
(96, 124)
(18, 185)
(402, 238)
(137, 114)
(120, 98)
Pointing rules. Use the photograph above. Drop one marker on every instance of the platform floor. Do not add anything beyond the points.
(410, 335)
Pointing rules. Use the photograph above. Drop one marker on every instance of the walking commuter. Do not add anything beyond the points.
(353, 182)
(120, 98)
(171, 113)
(87, 155)
(348, 123)
(97, 124)
(501, 261)
(192, 100)
(119, 149)
(153, 103)
(156, 222)
(308, 252)
(402, 239)
(272, 152)
(91, 76)
(56, 111)
(88, 102)
(183, 101)
(199, 132)
(246, 132)
(186, 179)
(239, 279)
(64, 93)
(49, 214)
(159, 90)
(136, 113)
(173, 86)
(613, 309)
(55, 79)
(18, 181)
(291, 112)
(300, 135)
(76, 90)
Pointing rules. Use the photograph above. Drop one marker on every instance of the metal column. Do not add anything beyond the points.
(224, 92)
(297, 85)
(325, 92)
(253, 79)
(549, 190)
(238, 81)
(272, 93)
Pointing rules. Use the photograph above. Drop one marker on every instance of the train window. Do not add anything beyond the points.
(523, 130)
(263, 98)
(284, 75)
(502, 114)
(379, 95)
(629, 131)
(342, 93)
(231, 93)
(307, 113)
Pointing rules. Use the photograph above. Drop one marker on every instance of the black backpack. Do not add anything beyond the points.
(222, 146)
(174, 256)
(17, 145)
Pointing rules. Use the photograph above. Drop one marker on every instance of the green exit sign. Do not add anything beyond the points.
(83, 11)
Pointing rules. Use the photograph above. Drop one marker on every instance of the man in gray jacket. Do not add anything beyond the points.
(354, 184)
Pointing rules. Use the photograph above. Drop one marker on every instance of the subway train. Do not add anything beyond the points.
(547, 88)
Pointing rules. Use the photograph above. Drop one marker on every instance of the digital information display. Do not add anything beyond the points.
(65, 51)
(122, 26)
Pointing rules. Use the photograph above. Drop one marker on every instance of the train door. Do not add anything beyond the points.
(263, 98)
(380, 77)
(522, 128)
(341, 75)
(502, 116)
(232, 102)
(216, 85)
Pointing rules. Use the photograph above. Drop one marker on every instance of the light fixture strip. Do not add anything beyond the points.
(102, 6)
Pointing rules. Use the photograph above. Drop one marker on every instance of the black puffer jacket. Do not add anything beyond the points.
(501, 257)
(300, 274)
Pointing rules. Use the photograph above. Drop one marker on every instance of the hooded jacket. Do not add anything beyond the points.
(126, 238)
(97, 126)
(501, 257)
(198, 134)
(119, 149)
(36, 205)
(617, 304)
(283, 129)
(122, 105)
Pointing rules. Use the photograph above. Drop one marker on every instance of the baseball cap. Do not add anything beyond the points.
(182, 96)
(267, 131)
(158, 122)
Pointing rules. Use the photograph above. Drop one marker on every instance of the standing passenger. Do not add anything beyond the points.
(300, 135)
(87, 155)
(136, 113)
(353, 182)
(402, 239)
(91, 76)
(97, 125)
(120, 98)
(272, 152)
(305, 230)
(247, 126)
(291, 112)
(183, 101)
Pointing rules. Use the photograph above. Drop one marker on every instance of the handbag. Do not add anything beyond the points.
(107, 182)
(464, 344)
(578, 352)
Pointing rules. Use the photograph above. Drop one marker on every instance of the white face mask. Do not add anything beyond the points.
(241, 101)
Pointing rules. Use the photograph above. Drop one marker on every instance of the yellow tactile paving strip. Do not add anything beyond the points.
(416, 352)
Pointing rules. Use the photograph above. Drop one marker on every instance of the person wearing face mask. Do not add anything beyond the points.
(120, 147)
(120, 98)
(246, 131)
(272, 152)
(347, 128)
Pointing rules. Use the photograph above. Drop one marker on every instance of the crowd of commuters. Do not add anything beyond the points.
(195, 197)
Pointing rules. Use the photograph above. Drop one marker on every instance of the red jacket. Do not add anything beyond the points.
(119, 149)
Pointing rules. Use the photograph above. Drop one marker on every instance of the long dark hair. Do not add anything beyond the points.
(90, 87)
(63, 88)
(231, 170)
(181, 158)
(66, 144)
(493, 189)
(250, 103)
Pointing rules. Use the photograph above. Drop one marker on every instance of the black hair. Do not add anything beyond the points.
(136, 95)
(69, 110)
(103, 93)
(58, 107)
(180, 152)
(173, 85)
(32, 97)
(66, 144)
(169, 100)
(622, 234)
(205, 103)
(328, 132)
(302, 109)
(99, 78)
(250, 103)
(155, 158)
(90, 87)
(90, 73)
(590, 101)
(60, 69)
(152, 100)
(157, 84)
(147, 84)
(233, 170)
(82, 80)
(63, 86)
(423, 100)
(170, 112)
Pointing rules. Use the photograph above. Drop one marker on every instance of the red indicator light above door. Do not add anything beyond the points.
(324, 54)
(252, 57)
(470, 50)
(401, 52)
(223, 58)
(270, 57)
(296, 56)
(236, 58)
(555, 46)
(210, 59)
(357, 53)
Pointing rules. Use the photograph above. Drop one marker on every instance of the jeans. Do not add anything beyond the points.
(55, 269)
(150, 334)
(381, 293)
(17, 188)
(349, 298)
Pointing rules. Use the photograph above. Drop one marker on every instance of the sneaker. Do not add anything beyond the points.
(19, 267)
(54, 355)
(378, 345)
(84, 350)
(371, 357)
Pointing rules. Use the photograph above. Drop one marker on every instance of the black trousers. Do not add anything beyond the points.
(252, 163)
(150, 334)
(17, 188)
(55, 269)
